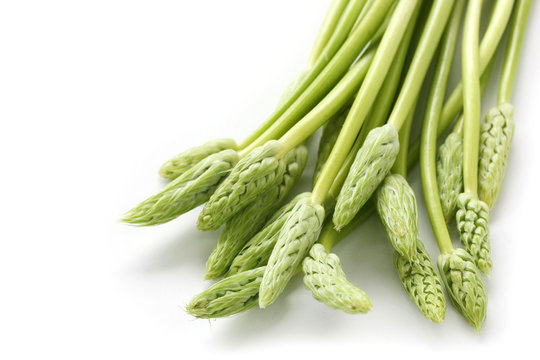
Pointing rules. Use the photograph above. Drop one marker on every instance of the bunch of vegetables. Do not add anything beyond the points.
(361, 85)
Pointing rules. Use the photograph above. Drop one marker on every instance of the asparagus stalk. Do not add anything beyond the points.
(328, 77)
(498, 127)
(381, 108)
(450, 160)
(473, 214)
(328, 139)
(303, 95)
(461, 277)
(366, 96)
(358, 187)
(333, 15)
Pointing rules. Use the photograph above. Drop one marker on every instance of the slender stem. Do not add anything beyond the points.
(365, 98)
(381, 107)
(471, 96)
(363, 13)
(325, 109)
(414, 148)
(490, 41)
(327, 29)
(329, 237)
(325, 74)
(400, 165)
(429, 130)
(513, 51)
(329, 106)
(427, 46)
(484, 80)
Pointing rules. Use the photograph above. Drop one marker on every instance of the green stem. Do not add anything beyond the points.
(325, 109)
(471, 96)
(366, 96)
(429, 130)
(513, 51)
(444, 123)
(327, 29)
(427, 45)
(329, 236)
(484, 80)
(400, 165)
(324, 75)
(381, 107)
(363, 13)
(490, 41)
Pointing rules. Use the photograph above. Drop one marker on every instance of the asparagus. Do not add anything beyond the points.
(349, 86)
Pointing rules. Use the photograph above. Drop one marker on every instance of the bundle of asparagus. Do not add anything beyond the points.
(361, 84)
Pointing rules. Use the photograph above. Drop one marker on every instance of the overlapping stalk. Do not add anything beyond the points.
(247, 222)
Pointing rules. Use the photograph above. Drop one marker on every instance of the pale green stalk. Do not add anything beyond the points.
(421, 283)
(232, 295)
(259, 171)
(429, 130)
(328, 283)
(248, 221)
(400, 164)
(189, 158)
(498, 127)
(461, 277)
(364, 100)
(380, 110)
(471, 96)
(323, 76)
(363, 13)
(396, 205)
(515, 43)
(433, 30)
(189, 190)
(295, 239)
(473, 214)
(327, 29)
(301, 97)
(327, 141)
(450, 160)
(258, 249)
(335, 100)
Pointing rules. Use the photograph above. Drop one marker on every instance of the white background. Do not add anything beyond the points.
(95, 95)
